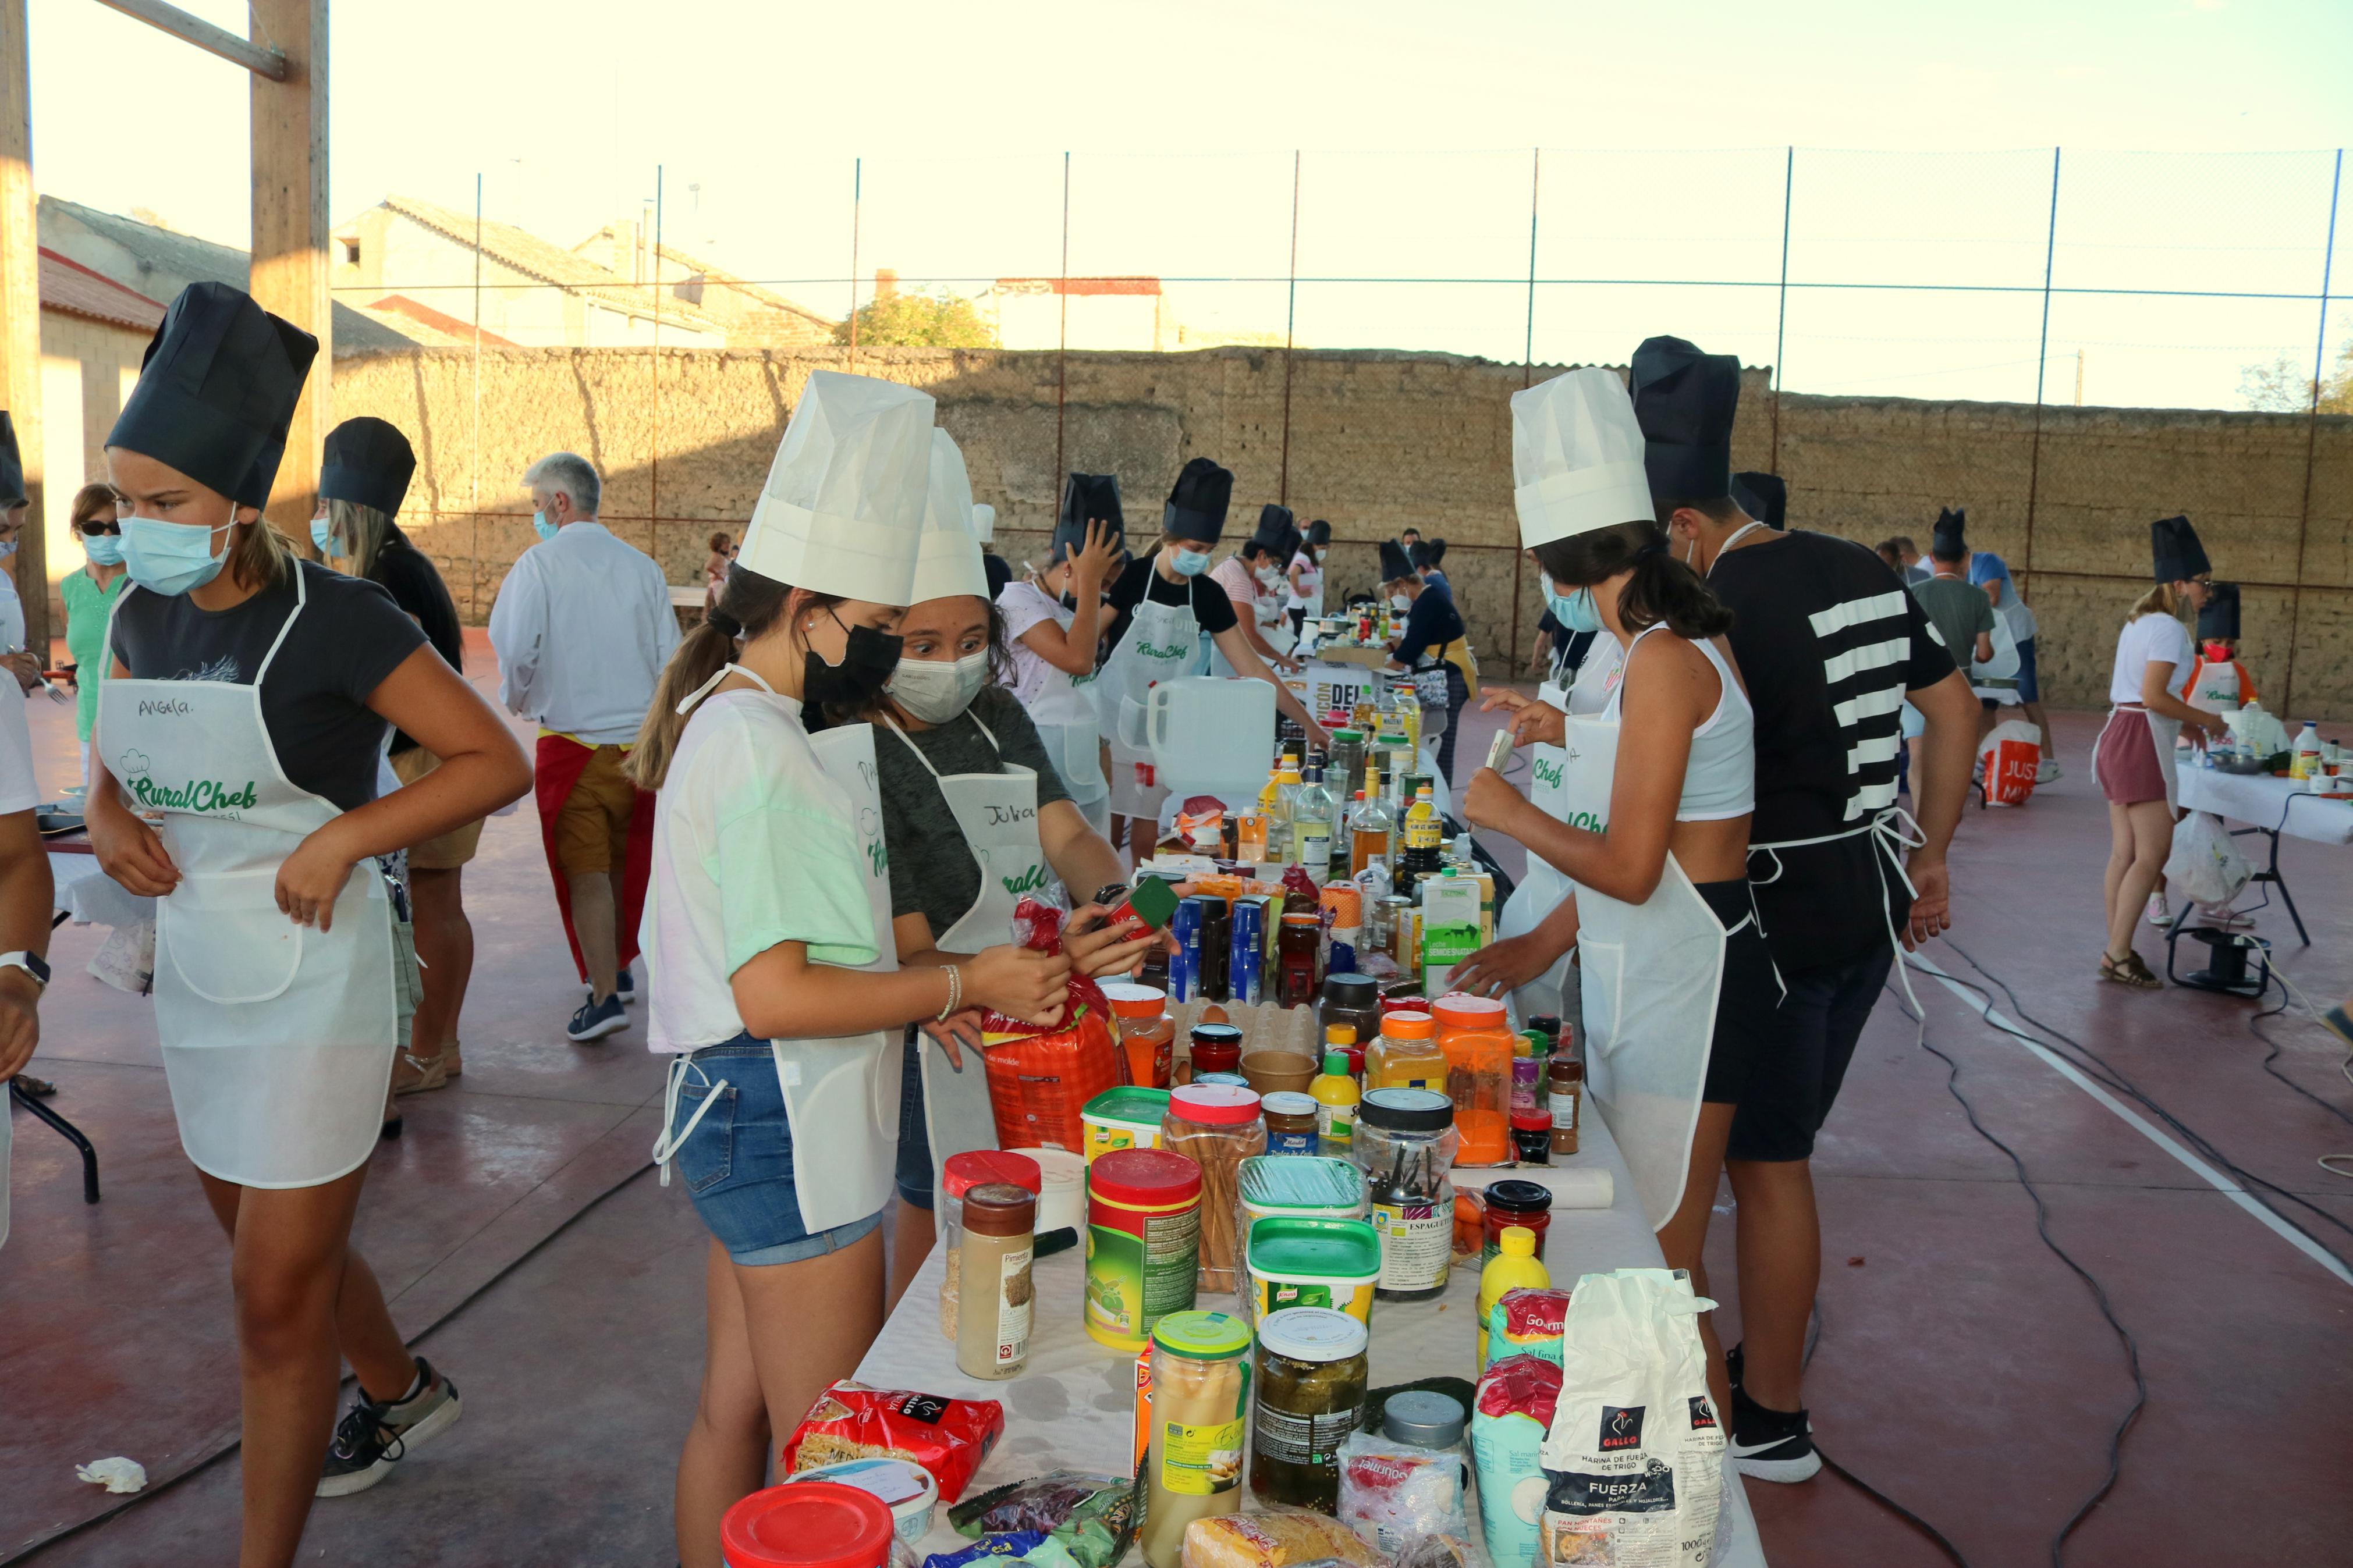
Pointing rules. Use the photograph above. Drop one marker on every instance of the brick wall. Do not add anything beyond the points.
(1380, 441)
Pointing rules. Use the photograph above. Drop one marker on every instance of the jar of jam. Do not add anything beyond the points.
(1532, 1136)
(1217, 1048)
(1523, 1204)
(1290, 1123)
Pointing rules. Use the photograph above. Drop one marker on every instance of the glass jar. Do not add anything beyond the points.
(1298, 950)
(1354, 1000)
(1524, 1204)
(1565, 1086)
(1216, 1047)
(1478, 1050)
(1312, 1376)
(961, 1174)
(1405, 1144)
(1217, 1127)
(993, 1318)
(1407, 1054)
(1201, 1374)
(1290, 1123)
(1147, 1035)
(1343, 770)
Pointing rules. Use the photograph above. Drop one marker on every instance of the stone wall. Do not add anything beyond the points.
(1380, 441)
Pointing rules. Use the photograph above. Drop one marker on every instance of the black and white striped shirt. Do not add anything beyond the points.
(1828, 641)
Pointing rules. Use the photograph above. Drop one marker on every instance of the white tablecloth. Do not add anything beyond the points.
(2283, 805)
(1074, 1405)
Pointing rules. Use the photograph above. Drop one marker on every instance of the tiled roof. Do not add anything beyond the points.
(720, 275)
(71, 286)
(527, 253)
(1078, 286)
(434, 329)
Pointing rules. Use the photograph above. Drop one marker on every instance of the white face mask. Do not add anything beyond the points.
(936, 691)
(1268, 576)
(1399, 602)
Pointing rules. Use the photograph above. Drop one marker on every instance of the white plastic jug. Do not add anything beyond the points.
(1208, 735)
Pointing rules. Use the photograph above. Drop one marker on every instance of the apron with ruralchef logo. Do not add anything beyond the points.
(278, 1039)
(1162, 642)
(997, 814)
(1541, 890)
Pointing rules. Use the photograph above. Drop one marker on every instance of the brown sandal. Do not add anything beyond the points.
(2129, 971)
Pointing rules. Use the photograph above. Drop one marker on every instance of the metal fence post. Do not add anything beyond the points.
(856, 196)
(1527, 379)
(653, 464)
(2311, 436)
(1290, 323)
(1063, 340)
(1782, 311)
(2041, 362)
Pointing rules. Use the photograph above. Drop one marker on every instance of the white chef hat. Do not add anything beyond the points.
(983, 523)
(844, 501)
(947, 558)
(1576, 457)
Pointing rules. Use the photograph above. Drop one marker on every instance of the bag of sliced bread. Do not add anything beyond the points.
(1634, 1461)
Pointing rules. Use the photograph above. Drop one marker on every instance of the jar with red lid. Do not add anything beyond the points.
(1532, 1136)
(1217, 1048)
(1524, 1204)
(807, 1524)
(1217, 1127)
(1404, 1002)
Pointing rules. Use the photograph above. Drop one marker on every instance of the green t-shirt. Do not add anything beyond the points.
(1958, 611)
(87, 607)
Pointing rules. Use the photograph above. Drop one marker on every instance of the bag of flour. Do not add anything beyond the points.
(1634, 1461)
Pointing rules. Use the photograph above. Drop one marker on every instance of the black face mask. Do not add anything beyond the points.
(867, 661)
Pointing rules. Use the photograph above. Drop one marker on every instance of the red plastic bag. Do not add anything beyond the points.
(949, 1437)
(1039, 1080)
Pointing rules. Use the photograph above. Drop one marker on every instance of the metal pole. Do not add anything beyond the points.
(474, 578)
(1782, 311)
(2312, 434)
(1062, 342)
(1290, 319)
(857, 194)
(2042, 365)
(653, 465)
(1528, 347)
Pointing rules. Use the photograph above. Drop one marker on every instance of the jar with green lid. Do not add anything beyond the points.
(1200, 1409)
(1312, 1375)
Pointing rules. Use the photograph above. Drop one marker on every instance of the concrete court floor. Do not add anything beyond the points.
(1960, 1367)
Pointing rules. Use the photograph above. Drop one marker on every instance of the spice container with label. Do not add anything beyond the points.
(1144, 1239)
(992, 1314)
(1312, 1372)
(1527, 1072)
(1407, 1054)
(1217, 1127)
(1565, 1088)
(961, 1174)
(1200, 1375)
(1147, 1035)
(1405, 1145)
(1291, 1124)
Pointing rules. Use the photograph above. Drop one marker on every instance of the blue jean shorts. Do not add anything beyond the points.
(736, 1159)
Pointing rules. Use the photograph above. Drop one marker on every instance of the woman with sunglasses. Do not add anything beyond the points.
(89, 595)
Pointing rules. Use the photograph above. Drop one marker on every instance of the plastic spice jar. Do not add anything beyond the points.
(810, 1524)
(993, 1315)
(1217, 1048)
(959, 1176)
(1312, 1372)
(1147, 1035)
(1524, 1204)
(1143, 1240)
(1201, 1403)
(1477, 1045)
(1565, 1086)
(1290, 1124)
(1217, 1127)
(1405, 1145)
(1407, 1054)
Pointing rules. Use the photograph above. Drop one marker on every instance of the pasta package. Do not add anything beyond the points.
(1275, 1541)
(949, 1437)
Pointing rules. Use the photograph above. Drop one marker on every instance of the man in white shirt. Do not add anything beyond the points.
(582, 628)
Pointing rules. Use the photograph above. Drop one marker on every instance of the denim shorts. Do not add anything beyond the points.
(737, 1162)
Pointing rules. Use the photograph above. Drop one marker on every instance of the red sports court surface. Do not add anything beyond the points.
(1960, 1367)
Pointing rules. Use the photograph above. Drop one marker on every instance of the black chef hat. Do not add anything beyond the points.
(216, 392)
(1197, 502)
(367, 461)
(12, 464)
(1319, 534)
(1950, 541)
(1276, 531)
(1395, 567)
(1763, 497)
(1086, 498)
(1685, 400)
(2175, 552)
(2218, 617)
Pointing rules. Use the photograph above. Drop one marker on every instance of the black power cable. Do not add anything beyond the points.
(1813, 1337)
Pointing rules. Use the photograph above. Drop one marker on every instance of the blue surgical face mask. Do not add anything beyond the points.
(323, 534)
(103, 549)
(170, 557)
(1577, 612)
(7, 548)
(546, 530)
(1189, 562)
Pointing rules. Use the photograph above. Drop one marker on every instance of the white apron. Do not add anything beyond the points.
(1652, 974)
(841, 1095)
(2163, 733)
(278, 1039)
(1162, 642)
(1540, 893)
(997, 814)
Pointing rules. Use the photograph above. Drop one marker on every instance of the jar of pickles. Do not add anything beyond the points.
(1312, 1376)
(1201, 1374)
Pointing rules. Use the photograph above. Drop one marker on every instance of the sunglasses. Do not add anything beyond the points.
(96, 527)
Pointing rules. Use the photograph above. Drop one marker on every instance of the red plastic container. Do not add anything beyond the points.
(814, 1524)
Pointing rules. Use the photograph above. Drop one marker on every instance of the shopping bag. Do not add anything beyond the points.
(2010, 753)
(2205, 864)
(1039, 1080)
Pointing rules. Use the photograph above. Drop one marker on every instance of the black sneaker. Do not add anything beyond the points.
(595, 1019)
(1771, 1445)
(377, 1436)
(625, 986)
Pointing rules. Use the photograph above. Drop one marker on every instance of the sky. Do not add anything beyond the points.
(2199, 138)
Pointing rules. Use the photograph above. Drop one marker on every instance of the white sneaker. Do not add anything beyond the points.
(2047, 771)
(2159, 915)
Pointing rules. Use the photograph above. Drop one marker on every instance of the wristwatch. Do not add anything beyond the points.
(32, 963)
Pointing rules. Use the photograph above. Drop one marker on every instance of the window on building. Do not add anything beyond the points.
(352, 252)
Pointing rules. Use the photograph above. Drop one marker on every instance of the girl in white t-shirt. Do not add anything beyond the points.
(1053, 653)
(1306, 575)
(2133, 759)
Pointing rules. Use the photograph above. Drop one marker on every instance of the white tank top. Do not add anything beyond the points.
(1720, 779)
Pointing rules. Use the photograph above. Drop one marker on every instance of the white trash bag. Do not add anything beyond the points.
(2205, 864)
(1634, 1461)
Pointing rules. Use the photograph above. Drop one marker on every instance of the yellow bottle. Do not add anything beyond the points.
(1336, 1093)
(1515, 1267)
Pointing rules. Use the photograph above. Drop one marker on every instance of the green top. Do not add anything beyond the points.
(1143, 1106)
(1315, 1248)
(1202, 1336)
(87, 608)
